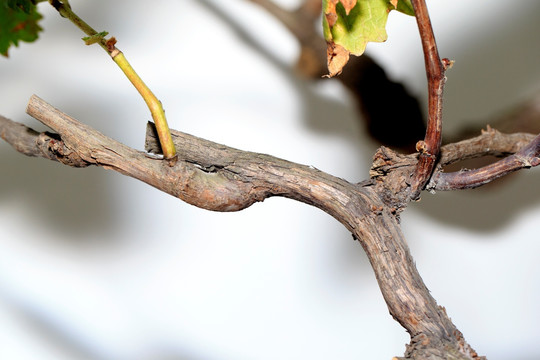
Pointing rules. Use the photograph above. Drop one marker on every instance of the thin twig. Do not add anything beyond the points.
(430, 147)
(525, 158)
(490, 142)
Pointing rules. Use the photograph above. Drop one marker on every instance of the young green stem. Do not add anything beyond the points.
(158, 114)
(156, 109)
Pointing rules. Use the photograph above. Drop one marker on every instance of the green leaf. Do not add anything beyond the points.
(348, 26)
(18, 22)
(24, 5)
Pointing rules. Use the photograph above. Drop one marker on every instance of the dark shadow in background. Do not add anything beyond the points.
(321, 114)
(71, 202)
(373, 104)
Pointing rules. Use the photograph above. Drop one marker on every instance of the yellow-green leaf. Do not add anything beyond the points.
(348, 26)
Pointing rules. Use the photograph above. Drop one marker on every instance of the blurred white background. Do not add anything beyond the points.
(94, 265)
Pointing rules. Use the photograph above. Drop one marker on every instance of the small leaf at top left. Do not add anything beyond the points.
(18, 22)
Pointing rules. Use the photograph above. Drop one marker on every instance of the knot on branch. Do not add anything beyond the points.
(392, 173)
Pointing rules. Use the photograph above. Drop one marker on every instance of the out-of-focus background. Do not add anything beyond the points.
(94, 265)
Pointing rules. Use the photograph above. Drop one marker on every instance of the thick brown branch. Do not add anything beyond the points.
(220, 178)
(429, 148)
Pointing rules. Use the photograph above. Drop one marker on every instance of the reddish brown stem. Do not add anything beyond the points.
(430, 147)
